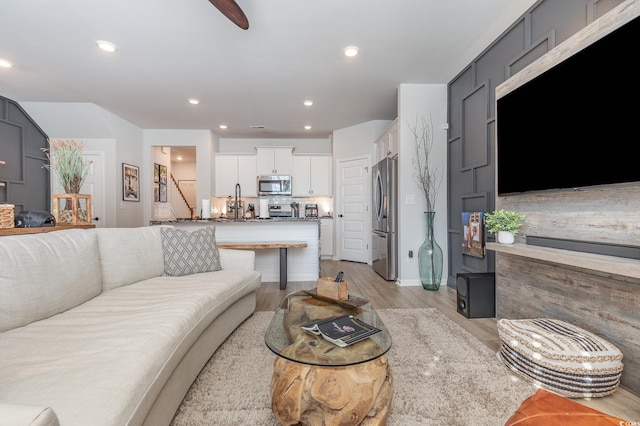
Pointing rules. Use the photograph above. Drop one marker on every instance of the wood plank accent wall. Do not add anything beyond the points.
(602, 301)
(604, 304)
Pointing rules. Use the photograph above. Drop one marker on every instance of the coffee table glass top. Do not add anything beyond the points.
(287, 339)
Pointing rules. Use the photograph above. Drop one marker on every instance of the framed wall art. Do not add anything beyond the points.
(163, 193)
(130, 182)
(159, 183)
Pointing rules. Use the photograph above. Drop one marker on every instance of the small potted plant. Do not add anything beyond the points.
(504, 224)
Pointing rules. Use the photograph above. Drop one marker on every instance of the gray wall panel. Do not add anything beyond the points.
(21, 144)
(471, 122)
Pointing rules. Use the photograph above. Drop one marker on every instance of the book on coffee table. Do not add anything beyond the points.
(342, 330)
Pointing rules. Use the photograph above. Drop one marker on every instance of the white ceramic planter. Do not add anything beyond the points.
(505, 237)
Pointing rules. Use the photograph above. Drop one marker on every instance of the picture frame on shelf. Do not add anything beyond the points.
(473, 234)
(130, 182)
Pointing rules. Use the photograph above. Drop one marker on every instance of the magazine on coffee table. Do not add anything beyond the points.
(342, 330)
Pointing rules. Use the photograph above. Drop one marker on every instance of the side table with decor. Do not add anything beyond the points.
(316, 382)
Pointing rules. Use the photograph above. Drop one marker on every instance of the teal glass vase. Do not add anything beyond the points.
(430, 257)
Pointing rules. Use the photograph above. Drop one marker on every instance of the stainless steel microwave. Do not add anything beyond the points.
(274, 185)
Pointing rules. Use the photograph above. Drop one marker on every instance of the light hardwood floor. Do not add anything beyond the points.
(388, 295)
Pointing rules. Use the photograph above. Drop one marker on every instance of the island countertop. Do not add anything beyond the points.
(241, 220)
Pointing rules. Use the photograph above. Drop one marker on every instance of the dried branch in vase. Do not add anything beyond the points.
(427, 176)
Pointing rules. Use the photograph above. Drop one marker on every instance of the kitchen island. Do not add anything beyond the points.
(303, 263)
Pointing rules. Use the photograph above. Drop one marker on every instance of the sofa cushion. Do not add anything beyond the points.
(129, 255)
(45, 274)
(31, 415)
(190, 252)
(547, 409)
(97, 363)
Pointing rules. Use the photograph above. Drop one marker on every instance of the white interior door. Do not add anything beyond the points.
(354, 217)
(93, 185)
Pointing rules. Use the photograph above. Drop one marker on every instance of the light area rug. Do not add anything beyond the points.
(442, 375)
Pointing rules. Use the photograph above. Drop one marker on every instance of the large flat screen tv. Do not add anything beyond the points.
(576, 124)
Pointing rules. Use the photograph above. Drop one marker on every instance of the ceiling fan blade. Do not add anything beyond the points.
(231, 10)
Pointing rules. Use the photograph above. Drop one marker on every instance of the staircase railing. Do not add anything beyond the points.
(182, 196)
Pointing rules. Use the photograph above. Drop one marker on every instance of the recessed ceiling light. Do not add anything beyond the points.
(179, 158)
(223, 126)
(194, 101)
(307, 127)
(5, 64)
(107, 46)
(351, 51)
(308, 102)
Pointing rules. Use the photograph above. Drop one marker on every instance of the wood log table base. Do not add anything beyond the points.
(358, 394)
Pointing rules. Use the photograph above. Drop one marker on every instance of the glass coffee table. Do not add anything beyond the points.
(317, 382)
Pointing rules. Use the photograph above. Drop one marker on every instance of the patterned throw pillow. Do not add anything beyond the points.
(188, 252)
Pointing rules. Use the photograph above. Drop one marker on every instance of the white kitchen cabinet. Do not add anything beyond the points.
(326, 238)
(311, 175)
(235, 168)
(274, 161)
(392, 147)
(387, 143)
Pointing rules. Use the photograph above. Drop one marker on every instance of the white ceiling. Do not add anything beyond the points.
(171, 50)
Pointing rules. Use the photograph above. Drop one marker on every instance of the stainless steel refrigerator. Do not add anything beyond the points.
(385, 218)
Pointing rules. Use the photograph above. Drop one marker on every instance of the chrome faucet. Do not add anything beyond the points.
(238, 196)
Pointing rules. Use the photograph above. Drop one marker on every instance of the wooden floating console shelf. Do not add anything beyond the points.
(589, 261)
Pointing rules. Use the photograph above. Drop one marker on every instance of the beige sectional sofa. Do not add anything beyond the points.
(93, 331)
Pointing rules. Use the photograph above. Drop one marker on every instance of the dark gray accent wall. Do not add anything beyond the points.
(26, 182)
(471, 104)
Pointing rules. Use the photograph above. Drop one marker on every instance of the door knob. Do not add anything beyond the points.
(96, 218)
(339, 215)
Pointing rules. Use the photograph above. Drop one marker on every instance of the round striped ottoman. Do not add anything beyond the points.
(560, 357)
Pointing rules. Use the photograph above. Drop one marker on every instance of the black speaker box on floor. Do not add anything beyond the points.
(476, 294)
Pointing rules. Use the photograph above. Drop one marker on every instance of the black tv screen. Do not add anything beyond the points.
(577, 124)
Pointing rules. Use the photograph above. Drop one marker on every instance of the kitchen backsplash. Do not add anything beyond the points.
(325, 204)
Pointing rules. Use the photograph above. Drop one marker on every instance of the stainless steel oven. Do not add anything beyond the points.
(274, 185)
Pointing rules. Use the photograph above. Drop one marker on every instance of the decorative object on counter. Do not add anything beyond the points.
(34, 219)
(6, 216)
(333, 288)
(350, 302)
(72, 209)
(251, 212)
(65, 159)
(430, 258)
(264, 208)
(206, 208)
(504, 224)
(130, 182)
